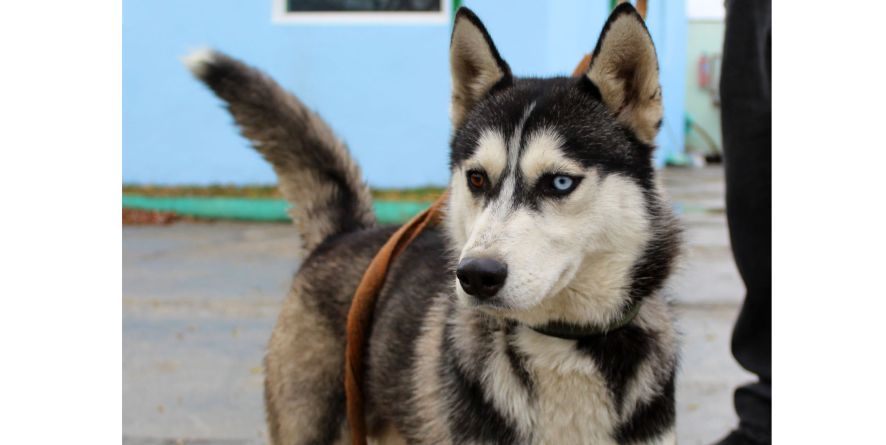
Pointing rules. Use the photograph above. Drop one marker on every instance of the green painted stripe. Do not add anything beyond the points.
(394, 212)
(257, 209)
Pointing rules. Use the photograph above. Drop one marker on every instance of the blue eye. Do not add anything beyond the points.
(562, 183)
(558, 185)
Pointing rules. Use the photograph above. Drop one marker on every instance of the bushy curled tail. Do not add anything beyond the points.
(315, 172)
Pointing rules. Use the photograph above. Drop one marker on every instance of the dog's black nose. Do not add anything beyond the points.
(481, 277)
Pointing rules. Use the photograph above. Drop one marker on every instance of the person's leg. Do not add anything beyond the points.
(746, 103)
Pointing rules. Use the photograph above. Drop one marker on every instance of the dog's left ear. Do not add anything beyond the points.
(624, 68)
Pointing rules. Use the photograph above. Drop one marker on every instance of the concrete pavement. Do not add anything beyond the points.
(199, 302)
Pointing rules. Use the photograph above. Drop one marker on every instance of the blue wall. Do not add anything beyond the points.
(383, 88)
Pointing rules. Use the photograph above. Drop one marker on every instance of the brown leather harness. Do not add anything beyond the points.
(360, 314)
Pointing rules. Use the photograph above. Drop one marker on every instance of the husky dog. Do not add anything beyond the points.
(535, 313)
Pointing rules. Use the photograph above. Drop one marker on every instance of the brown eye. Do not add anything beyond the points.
(477, 180)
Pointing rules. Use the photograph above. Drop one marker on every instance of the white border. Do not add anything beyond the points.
(283, 17)
(828, 242)
(61, 282)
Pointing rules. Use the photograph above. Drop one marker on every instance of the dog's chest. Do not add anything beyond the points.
(572, 402)
(573, 409)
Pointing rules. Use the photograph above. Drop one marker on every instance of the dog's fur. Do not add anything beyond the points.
(443, 366)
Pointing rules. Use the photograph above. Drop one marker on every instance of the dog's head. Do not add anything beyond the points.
(553, 208)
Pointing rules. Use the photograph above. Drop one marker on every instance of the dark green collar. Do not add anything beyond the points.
(571, 331)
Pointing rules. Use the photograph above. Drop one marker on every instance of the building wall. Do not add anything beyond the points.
(383, 88)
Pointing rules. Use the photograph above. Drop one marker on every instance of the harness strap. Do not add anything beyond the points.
(360, 313)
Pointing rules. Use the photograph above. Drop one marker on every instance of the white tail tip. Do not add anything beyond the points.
(199, 61)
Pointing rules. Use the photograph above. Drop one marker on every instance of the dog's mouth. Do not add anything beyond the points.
(492, 305)
(495, 305)
(498, 306)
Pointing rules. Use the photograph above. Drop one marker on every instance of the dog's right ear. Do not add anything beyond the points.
(475, 64)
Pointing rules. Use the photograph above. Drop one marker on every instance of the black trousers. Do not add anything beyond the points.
(746, 101)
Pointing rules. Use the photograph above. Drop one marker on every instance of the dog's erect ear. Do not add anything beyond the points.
(475, 64)
(625, 70)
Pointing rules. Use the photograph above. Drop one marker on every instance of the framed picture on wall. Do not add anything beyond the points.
(362, 11)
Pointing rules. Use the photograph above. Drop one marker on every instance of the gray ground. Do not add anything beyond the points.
(199, 302)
